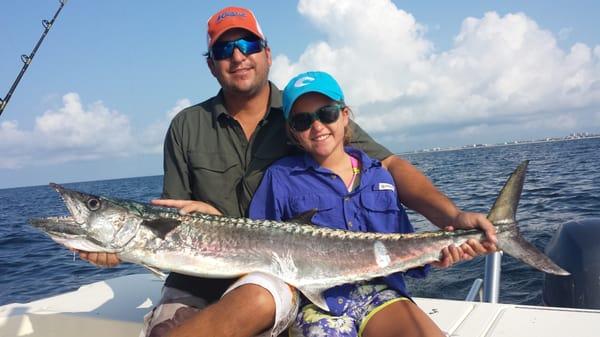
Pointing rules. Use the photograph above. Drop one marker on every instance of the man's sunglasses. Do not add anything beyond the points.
(302, 121)
(247, 45)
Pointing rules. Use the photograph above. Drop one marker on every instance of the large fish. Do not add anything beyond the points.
(310, 258)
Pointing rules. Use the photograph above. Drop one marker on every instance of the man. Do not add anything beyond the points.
(215, 155)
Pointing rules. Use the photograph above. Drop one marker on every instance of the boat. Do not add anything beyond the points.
(116, 307)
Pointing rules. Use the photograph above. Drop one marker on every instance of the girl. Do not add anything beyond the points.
(351, 191)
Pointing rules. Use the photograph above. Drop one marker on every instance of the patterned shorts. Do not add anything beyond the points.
(365, 300)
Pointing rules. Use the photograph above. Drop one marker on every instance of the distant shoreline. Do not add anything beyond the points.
(435, 150)
(484, 146)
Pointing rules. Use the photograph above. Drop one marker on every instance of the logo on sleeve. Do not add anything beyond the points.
(385, 187)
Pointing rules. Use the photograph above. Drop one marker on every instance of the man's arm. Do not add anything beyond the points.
(418, 193)
(176, 180)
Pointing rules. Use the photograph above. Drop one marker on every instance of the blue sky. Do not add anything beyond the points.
(97, 99)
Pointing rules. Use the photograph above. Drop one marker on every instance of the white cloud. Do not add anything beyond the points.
(500, 69)
(74, 132)
(152, 137)
(180, 105)
(362, 42)
(565, 33)
(505, 77)
(92, 131)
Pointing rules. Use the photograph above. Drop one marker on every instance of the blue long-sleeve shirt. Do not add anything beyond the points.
(297, 184)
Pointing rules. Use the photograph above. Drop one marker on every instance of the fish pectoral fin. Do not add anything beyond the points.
(161, 226)
(315, 295)
(157, 272)
(305, 218)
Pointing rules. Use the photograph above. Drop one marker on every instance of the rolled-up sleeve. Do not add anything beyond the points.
(176, 181)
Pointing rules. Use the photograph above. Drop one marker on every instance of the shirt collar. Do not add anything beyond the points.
(275, 104)
(366, 162)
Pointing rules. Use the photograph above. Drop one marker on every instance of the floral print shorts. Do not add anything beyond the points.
(365, 300)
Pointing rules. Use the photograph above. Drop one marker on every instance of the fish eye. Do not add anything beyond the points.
(93, 204)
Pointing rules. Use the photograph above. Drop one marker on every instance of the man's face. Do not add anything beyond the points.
(241, 74)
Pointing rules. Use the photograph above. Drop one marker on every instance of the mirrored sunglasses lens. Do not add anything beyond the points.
(301, 121)
(224, 50)
(249, 47)
(329, 114)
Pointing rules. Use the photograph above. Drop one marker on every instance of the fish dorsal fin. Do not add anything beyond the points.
(315, 295)
(161, 226)
(305, 217)
(505, 206)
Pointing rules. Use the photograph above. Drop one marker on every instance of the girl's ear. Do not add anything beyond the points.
(346, 115)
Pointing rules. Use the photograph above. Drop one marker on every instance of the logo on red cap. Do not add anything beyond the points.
(223, 15)
(230, 18)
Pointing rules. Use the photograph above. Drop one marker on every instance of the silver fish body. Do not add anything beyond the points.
(310, 258)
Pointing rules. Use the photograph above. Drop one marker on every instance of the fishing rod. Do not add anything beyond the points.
(26, 59)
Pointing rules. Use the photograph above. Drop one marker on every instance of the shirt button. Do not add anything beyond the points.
(346, 198)
(340, 300)
(333, 176)
(349, 224)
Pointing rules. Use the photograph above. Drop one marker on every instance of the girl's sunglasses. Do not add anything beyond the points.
(302, 121)
(247, 45)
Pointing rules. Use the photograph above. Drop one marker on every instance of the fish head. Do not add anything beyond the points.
(95, 224)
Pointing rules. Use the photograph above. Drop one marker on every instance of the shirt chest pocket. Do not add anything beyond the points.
(214, 174)
(329, 214)
(381, 211)
(211, 161)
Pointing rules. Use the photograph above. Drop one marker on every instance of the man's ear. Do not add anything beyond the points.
(211, 65)
(268, 52)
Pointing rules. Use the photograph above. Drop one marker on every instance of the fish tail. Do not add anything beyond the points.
(510, 241)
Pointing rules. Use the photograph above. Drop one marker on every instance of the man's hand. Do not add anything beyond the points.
(450, 255)
(99, 259)
(187, 206)
(472, 248)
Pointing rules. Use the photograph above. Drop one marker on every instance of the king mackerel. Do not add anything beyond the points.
(304, 256)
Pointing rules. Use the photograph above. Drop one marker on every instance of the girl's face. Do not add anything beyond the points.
(321, 139)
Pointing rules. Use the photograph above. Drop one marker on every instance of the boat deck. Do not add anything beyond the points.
(116, 307)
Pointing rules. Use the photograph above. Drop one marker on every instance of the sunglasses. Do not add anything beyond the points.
(247, 45)
(302, 121)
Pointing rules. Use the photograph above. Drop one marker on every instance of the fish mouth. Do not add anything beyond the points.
(71, 226)
(61, 226)
(68, 232)
(75, 203)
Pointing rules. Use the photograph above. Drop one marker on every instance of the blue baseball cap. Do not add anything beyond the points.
(310, 81)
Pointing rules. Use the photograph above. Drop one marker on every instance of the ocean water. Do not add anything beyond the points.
(562, 184)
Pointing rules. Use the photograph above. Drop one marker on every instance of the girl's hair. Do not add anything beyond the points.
(347, 129)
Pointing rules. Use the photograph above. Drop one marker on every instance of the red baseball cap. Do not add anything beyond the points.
(229, 18)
